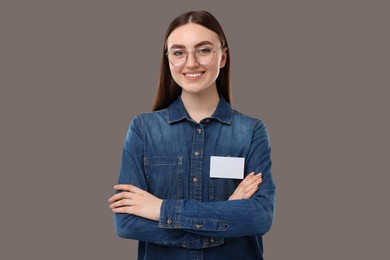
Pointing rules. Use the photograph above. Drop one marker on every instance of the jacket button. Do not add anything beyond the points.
(198, 226)
(169, 221)
(197, 153)
(195, 180)
(212, 239)
(199, 130)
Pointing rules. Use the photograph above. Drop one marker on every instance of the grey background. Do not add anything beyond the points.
(74, 74)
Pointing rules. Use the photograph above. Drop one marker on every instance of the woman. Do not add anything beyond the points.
(168, 197)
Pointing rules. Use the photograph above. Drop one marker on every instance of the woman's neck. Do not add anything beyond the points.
(200, 105)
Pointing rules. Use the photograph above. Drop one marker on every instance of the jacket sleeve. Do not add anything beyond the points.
(138, 228)
(234, 218)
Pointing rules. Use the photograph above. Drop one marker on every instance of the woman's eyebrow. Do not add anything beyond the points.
(179, 46)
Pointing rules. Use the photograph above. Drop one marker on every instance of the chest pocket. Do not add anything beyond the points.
(164, 176)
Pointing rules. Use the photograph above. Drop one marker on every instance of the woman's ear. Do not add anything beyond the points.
(224, 58)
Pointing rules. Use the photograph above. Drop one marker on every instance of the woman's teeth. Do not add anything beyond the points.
(193, 75)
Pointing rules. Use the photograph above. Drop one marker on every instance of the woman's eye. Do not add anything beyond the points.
(204, 51)
(178, 53)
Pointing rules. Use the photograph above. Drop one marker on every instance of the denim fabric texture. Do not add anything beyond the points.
(168, 154)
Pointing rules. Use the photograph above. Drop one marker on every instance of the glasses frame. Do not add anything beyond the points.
(193, 51)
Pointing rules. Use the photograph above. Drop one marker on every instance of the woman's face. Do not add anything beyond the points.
(192, 76)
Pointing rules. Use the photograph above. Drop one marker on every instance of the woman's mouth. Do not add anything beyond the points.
(193, 75)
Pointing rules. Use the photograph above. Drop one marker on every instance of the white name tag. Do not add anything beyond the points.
(227, 167)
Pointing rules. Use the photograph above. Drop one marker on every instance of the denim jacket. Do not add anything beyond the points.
(168, 154)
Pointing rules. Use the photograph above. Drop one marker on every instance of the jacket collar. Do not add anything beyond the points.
(177, 112)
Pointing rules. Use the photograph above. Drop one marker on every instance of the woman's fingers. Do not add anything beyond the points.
(251, 178)
(119, 196)
(254, 183)
(247, 187)
(248, 179)
(122, 210)
(121, 203)
(126, 189)
(123, 196)
(248, 182)
(250, 190)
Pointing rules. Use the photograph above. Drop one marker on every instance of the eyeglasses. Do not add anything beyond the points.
(203, 55)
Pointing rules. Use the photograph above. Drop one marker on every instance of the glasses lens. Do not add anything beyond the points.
(177, 57)
(204, 55)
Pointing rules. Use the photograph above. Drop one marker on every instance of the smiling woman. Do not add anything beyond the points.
(166, 197)
(196, 74)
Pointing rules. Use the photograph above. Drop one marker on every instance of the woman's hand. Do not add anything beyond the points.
(133, 200)
(247, 187)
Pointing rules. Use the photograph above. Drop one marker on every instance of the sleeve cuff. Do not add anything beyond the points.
(170, 213)
(171, 216)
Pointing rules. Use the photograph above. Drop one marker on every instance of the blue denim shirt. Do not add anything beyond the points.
(168, 154)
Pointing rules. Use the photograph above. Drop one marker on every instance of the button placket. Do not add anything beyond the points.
(196, 163)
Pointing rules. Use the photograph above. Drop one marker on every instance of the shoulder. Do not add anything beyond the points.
(255, 125)
(146, 120)
(241, 118)
(151, 117)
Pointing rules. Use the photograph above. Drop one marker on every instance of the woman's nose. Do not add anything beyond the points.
(191, 59)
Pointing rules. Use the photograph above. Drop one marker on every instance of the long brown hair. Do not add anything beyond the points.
(168, 90)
